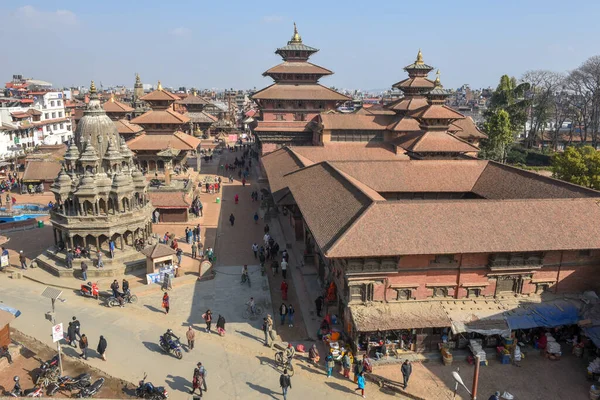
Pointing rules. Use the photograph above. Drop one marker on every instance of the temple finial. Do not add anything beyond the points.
(437, 82)
(137, 78)
(296, 38)
(419, 58)
(112, 97)
(92, 88)
(159, 87)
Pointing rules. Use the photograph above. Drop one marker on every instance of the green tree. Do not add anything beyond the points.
(579, 165)
(500, 134)
(510, 96)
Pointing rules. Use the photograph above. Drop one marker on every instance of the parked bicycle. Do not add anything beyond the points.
(252, 315)
(285, 362)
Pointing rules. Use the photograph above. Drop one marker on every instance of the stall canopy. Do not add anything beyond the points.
(547, 314)
(480, 316)
(396, 316)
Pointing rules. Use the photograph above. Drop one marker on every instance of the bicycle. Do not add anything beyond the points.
(246, 278)
(284, 362)
(249, 314)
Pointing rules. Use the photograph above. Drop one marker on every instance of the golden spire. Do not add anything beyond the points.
(112, 97)
(419, 58)
(159, 87)
(438, 83)
(194, 93)
(92, 88)
(137, 78)
(296, 38)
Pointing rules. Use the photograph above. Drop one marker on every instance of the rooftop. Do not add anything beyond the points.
(168, 116)
(178, 140)
(283, 91)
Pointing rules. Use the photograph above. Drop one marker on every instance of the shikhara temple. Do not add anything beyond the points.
(414, 234)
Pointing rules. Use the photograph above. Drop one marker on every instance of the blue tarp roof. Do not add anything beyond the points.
(547, 315)
(11, 310)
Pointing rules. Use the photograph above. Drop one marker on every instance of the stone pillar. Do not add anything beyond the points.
(71, 241)
(122, 244)
(55, 239)
(97, 243)
(167, 175)
(84, 241)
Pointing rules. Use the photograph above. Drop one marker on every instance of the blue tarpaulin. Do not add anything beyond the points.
(546, 315)
(11, 310)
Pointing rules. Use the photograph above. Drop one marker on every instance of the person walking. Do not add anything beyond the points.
(284, 290)
(255, 218)
(283, 312)
(165, 302)
(285, 383)
(270, 330)
(191, 337)
(203, 375)
(71, 334)
(231, 219)
(166, 283)
(236, 198)
(194, 250)
(76, 327)
(69, 259)
(100, 263)
(319, 305)
(22, 260)
(284, 266)
(346, 365)
(111, 247)
(255, 250)
(83, 345)
(115, 288)
(361, 385)
(291, 313)
(200, 208)
(84, 269)
(358, 370)
(208, 319)
(329, 364)
(495, 396)
(101, 349)
(197, 380)
(406, 371)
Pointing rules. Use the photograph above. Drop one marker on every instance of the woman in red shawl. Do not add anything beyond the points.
(284, 290)
(236, 198)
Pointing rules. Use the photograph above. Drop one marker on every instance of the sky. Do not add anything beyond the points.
(229, 44)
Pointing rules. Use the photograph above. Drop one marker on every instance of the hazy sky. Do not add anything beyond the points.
(222, 44)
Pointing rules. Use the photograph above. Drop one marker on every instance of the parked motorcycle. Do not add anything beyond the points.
(172, 346)
(67, 383)
(146, 390)
(90, 290)
(91, 390)
(127, 298)
(18, 392)
(49, 372)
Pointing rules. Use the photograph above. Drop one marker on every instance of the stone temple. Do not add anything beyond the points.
(100, 195)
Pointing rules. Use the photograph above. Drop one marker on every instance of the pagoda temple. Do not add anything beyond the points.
(192, 106)
(289, 108)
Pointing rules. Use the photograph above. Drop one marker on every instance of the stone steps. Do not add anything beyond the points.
(55, 264)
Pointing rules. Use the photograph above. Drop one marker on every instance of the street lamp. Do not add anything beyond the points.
(459, 381)
(53, 294)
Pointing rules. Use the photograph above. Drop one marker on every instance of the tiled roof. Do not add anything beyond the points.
(421, 66)
(418, 82)
(114, 106)
(404, 124)
(201, 117)
(296, 47)
(374, 109)
(284, 91)
(167, 116)
(282, 126)
(277, 164)
(159, 95)
(168, 199)
(33, 111)
(191, 99)
(178, 140)
(360, 151)
(470, 226)
(127, 128)
(20, 114)
(436, 111)
(415, 175)
(398, 316)
(354, 121)
(433, 142)
(297, 67)
(158, 250)
(408, 103)
(466, 129)
(41, 171)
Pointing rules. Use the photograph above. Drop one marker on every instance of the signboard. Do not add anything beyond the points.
(4, 261)
(57, 332)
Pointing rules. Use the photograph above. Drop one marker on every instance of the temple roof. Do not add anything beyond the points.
(43, 170)
(433, 142)
(168, 116)
(114, 106)
(168, 199)
(178, 140)
(192, 99)
(127, 128)
(409, 103)
(297, 67)
(201, 117)
(438, 112)
(160, 95)
(418, 64)
(354, 121)
(416, 82)
(466, 128)
(282, 91)
(404, 124)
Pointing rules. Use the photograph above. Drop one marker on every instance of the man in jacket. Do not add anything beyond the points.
(71, 334)
(101, 349)
(406, 371)
(285, 382)
(191, 337)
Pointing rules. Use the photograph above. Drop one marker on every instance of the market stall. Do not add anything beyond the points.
(160, 261)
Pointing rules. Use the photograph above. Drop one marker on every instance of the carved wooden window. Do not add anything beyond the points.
(404, 294)
(440, 292)
(542, 287)
(279, 117)
(473, 292)
(357, 292)
(444, 258)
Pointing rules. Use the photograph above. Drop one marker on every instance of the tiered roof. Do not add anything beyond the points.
(160, 95)
(114, 106)
(168, 116)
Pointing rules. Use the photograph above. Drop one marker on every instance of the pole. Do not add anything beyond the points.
(475, 378)
(58, 342)
(456, 385)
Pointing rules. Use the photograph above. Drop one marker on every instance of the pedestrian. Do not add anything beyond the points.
(125, 286)
(83, 345)
(111, 247)
(282, 312)
(256, 217)
(329, 363)
(243, 181)
(232, 219)
(495, 396)
(84, 269)
(165, 301)
(284, 290)
(100, 263)
(156, 216)
(69, 259)
(361, 385)
(406, 371)
(191, 337)
(346, 365)
(22, 260)
(319, 305)
(179, 254)
(101, 349)
(71, 334)
(194, 250)
(76, 327)
(285, 382)
(274, 266)
(200, 207)
(291, 313)
(115, 288)
(203, 375)
(255, 250)
(284, 266)
(5, 353)
(197, 380)
(358, 369)
(208, 319)
(166, 283)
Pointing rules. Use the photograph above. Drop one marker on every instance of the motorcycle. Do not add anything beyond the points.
(172, 346)
(91, 390)
(90, 290)
(67, 383)
(18, 392)
(127, 298)
(147, 390)
(49, 372)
